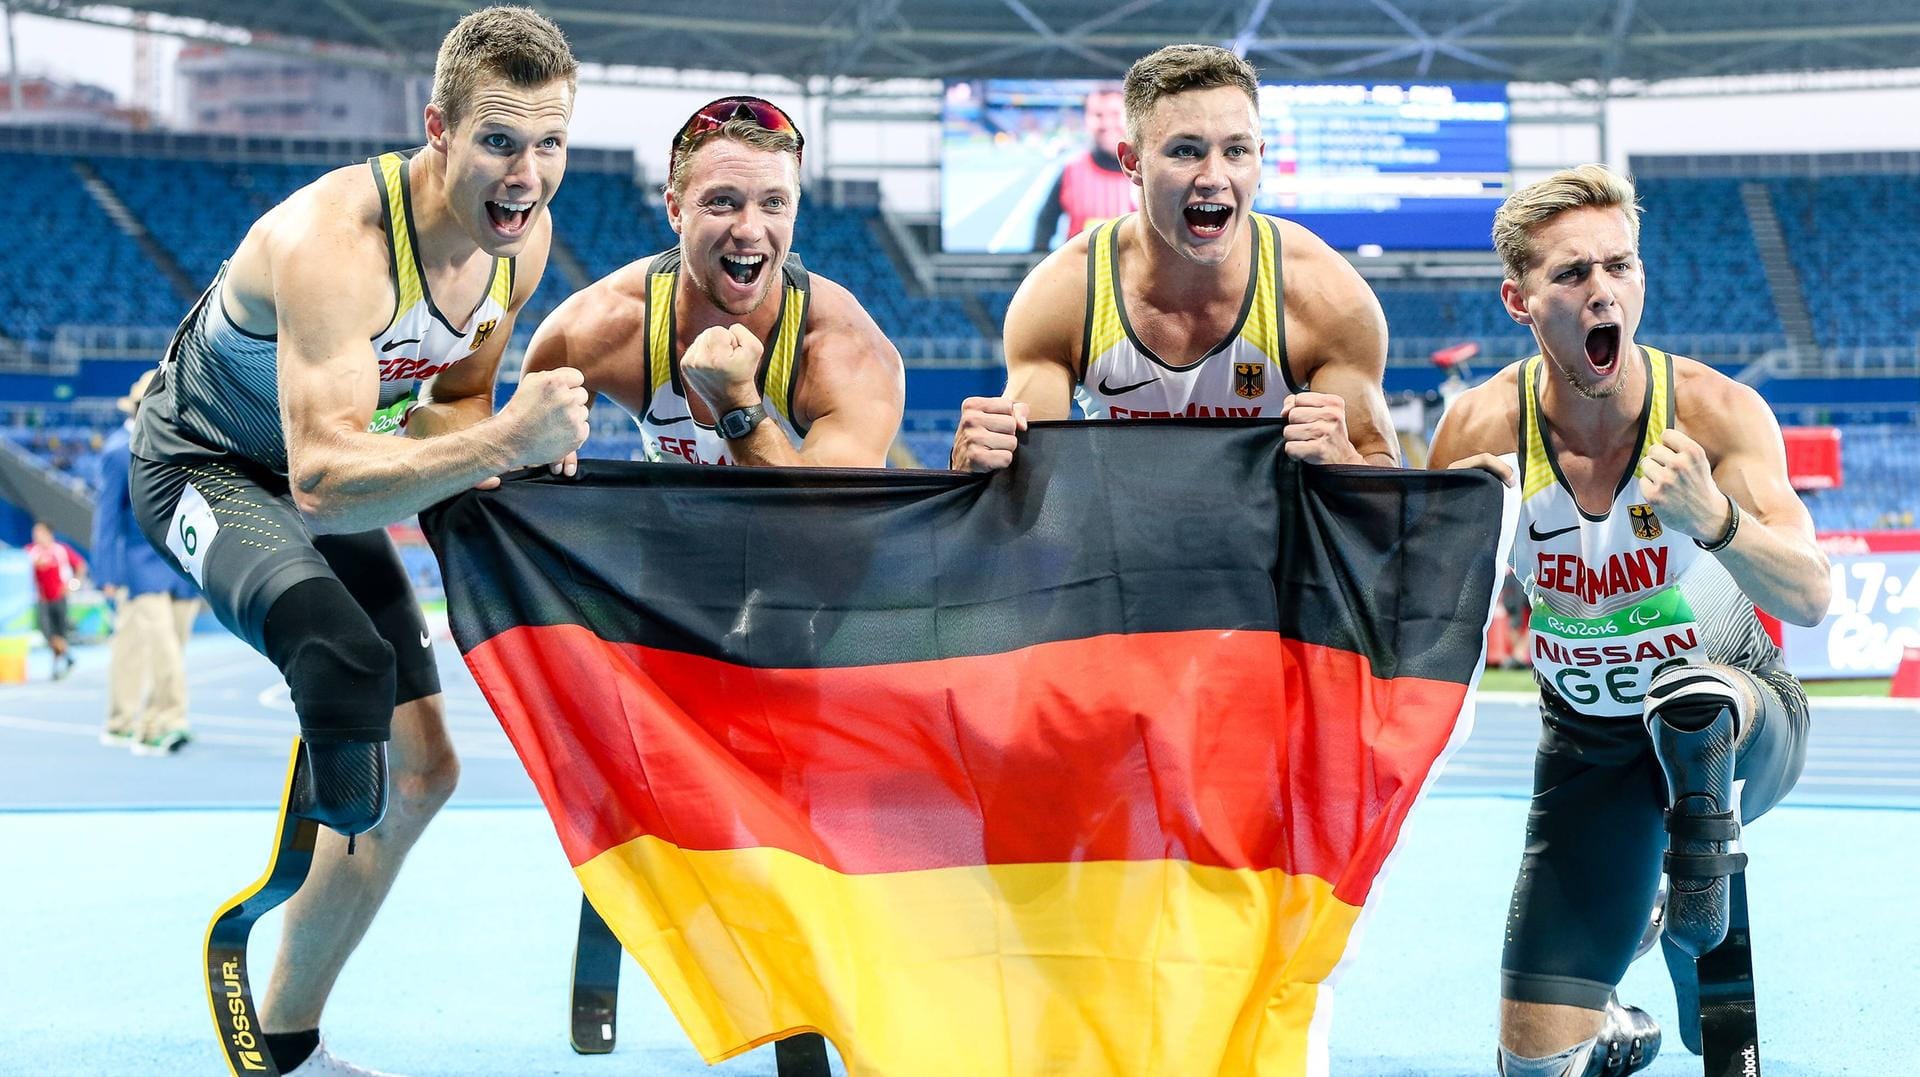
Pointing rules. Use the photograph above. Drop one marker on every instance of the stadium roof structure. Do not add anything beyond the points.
(803, 40)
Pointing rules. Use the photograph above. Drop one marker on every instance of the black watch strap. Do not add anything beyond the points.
(740, 422)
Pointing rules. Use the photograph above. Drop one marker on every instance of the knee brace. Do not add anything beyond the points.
(341, 676)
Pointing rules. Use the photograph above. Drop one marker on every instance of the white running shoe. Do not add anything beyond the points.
(321, 1063)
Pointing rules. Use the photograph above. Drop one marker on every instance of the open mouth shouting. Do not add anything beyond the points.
(1208, 220)
(1603, 349)
(744, 269)
(509, 219)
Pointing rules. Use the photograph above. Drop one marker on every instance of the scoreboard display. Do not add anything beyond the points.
(1405, 166)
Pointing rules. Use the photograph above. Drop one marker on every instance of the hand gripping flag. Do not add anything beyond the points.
(1084, 768)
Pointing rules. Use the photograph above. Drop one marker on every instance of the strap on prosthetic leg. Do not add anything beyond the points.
(235, 1017)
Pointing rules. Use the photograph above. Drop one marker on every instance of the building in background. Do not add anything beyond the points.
(246, 92)
(51, 101)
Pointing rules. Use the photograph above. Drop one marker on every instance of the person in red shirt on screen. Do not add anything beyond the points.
(57, 569)
(1092, 187)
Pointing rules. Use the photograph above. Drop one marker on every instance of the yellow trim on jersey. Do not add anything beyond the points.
(500, 289)
(1263, 318)
(660, 332)
(1659, 366)
(1535, 469)
(406, 269)
(786, 342)
(1103, 321)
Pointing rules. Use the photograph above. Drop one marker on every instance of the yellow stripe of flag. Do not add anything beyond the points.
(911, 973)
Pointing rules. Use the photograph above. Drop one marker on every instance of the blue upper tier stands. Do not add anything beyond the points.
(1855, 241)
(72, 265)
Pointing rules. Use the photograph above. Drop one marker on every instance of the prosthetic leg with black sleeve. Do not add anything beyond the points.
(1696, 717)
(341, 675)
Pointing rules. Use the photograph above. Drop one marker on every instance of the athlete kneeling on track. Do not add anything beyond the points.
(1655, 517)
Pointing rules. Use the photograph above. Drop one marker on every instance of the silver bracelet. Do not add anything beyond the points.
(1733, 528)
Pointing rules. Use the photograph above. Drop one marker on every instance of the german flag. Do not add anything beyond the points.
(1085, 768)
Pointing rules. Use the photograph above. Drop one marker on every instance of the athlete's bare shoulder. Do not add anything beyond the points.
(1713, 409)
(1483, 419)
(600, 330)
(1049, 310)
(1332, 315)
(336, 222)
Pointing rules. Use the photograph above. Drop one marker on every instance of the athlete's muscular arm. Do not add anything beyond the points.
(1480, 427)
(331, 295)
(1735, 451)
(1042, 339)
(852, 390)
(462, 394)
(1337, 344)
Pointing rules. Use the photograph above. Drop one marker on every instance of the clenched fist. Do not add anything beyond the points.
(546, 420)
(1677, 481)
(1317, 429)
(989, 431)
(723, 366)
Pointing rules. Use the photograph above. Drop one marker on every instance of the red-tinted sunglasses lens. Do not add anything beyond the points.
(712, 115)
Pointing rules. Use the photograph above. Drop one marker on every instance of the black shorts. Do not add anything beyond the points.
(1596, 837)
(53, 618)
(232, 526)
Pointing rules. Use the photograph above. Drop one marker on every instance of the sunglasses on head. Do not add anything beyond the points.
(714, 114)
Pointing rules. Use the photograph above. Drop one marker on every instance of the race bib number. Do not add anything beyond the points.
(1602, 665)
(190, 533)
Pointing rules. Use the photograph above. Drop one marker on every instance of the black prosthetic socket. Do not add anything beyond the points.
(340, 673)
(1694, 718)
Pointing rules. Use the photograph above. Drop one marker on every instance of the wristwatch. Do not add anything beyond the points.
(740, 422)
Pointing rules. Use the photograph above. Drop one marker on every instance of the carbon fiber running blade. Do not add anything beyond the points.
(596, 984)
(229, 992)
(1729, 1020)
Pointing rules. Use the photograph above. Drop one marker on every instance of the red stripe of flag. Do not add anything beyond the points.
(1228, 749)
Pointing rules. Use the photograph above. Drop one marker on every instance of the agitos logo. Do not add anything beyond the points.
(246, 1046)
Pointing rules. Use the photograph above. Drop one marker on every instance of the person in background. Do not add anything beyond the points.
(154, 607)
(57, 570)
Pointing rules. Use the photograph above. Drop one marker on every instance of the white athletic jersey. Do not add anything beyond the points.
(1618, 596)
(1243, 376)
(421, 341)
(668, 430)
(221, 388)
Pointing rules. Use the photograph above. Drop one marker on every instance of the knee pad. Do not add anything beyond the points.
(1690, 697)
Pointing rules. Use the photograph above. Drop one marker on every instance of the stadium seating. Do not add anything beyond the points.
(71, 265)
(1855, 241)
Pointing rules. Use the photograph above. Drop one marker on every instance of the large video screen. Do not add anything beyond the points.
(1027, 163)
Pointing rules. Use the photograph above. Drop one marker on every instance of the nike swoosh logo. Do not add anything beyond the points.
(1537, 535)
(1116, 390)
(392, 344)
(657, 420)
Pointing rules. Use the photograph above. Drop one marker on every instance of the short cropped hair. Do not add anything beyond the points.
(742, 130)
(517, 44)
(1179, 68)
(1537, 203)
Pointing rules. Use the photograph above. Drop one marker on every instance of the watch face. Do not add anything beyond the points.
(740, 422)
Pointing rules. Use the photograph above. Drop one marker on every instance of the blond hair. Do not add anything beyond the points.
(1537, 203)
(743, 130)
(517, 44)
(1179, 68)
